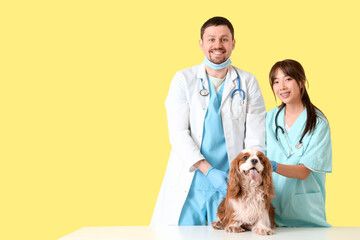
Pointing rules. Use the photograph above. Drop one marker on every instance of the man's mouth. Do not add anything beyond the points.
(217, 51)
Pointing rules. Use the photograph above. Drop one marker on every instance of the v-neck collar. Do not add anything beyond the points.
(216, 95)
(297, 128)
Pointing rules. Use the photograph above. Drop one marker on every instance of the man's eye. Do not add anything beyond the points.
(224, 40)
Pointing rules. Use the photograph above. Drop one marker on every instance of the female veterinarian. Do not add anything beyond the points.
(299, 145)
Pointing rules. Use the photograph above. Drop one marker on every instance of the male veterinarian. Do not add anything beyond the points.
(214, 110)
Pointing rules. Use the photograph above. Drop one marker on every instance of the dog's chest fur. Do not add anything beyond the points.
(249, 207)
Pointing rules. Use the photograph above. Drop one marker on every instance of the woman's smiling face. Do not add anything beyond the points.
(286, 88)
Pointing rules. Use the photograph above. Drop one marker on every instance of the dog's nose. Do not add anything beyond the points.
(254, 161)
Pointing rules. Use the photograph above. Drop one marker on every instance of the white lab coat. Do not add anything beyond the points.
(186, 110)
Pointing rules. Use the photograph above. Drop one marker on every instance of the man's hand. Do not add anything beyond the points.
(218, 179)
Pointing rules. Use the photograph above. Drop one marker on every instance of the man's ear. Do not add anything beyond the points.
(201, 44)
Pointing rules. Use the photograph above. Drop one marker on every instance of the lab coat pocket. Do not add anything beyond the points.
(237, 108)
(309, 210)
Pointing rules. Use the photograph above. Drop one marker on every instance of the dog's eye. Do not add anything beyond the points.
(245, 158)
(261, 159)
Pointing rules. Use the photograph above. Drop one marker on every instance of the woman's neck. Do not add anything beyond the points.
(292, 112)
(294, 108)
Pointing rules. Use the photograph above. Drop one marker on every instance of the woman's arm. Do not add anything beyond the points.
(293, 171)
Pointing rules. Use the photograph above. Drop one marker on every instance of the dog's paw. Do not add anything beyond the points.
(234, 229)
(217, 225)
(263, 231)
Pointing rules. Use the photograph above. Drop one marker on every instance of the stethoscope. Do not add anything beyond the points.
(204, 92)
(277, 127)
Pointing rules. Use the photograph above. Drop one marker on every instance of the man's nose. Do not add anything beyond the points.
(218, 43)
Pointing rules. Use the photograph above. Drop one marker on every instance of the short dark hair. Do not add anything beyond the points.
(217, 21)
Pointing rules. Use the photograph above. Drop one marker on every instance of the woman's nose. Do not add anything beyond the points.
(282, 86)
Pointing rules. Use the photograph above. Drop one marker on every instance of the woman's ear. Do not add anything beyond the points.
(302, 86)
(302, 83)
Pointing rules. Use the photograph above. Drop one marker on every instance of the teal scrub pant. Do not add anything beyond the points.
(200, 207)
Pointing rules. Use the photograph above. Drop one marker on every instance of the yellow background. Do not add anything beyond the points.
(83, 131)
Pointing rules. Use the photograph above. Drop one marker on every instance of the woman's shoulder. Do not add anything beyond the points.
(270, 115)
(321, 119)
(272, 112)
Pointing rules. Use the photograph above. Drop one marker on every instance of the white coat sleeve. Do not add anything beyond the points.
(255, 117)
(178, 116)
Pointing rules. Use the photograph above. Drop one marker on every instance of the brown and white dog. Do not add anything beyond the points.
(247, 205)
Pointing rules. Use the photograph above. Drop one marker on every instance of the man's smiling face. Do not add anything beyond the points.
(217, 43)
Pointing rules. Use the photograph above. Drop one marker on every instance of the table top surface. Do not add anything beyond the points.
(208, 233)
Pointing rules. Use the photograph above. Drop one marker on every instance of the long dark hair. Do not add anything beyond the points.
(294, 69)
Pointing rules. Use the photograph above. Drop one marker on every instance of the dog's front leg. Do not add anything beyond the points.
(234, 227)
(218, 224)
(262, 226)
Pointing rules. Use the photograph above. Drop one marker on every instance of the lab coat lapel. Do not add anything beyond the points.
(230, 84)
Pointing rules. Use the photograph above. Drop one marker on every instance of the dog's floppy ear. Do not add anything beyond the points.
(267, 177)
(234, 183)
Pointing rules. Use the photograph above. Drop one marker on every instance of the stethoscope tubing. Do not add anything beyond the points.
(204, 92)
(277, 127)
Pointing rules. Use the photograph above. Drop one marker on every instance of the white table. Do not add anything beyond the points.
(206, 232)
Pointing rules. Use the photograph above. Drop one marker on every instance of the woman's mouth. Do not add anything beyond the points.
(285, 94)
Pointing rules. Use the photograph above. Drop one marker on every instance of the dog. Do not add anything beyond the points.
(247, 205)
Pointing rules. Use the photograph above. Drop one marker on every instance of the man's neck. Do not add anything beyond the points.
(216, 73)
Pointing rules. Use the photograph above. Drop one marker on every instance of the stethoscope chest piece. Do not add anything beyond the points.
(299, 145)
(204, 92)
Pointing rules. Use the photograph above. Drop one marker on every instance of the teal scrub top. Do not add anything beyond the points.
(300, 203)
(200, 207)
(213, 145)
